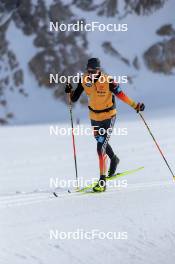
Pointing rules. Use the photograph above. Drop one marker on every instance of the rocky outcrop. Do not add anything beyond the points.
(166, 30)
(136, 63)
(63, 57)
(110, 8)
(143, 7)
(11, 74)
(106, 8)
(161, 56)
(66, 52)
(59, 52)
(108, 48)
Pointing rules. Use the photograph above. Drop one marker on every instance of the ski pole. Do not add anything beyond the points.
(73, 138)
(157, 145)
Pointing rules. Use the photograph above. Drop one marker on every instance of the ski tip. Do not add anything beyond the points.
(54, 193)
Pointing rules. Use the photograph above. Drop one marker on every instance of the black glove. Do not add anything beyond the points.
(68, 88)
(140, 107)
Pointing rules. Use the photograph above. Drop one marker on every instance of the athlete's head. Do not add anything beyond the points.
(93, 66)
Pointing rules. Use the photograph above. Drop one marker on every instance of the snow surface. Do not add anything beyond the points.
(144, 209)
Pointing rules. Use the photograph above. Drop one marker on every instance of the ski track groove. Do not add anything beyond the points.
(33, 198)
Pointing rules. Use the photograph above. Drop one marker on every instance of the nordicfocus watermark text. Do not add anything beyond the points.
(81, 234)
(82, 130)
(79, 77)
(81, 183)
(92, 26)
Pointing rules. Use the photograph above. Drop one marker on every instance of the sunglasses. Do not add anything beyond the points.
(92, 71)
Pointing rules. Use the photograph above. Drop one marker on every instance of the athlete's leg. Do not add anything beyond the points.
(109, 151)
(105, 125)
(102, 132)
(114, 160)
(108, 125)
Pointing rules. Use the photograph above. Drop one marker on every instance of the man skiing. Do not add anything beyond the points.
(101, 91)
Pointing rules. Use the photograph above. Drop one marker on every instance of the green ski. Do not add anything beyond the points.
(116, 176)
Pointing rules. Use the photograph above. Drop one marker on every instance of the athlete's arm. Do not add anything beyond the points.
(115, 88)
(76, 93)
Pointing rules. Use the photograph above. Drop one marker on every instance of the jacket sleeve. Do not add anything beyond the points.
(115, 88)
(77, 92)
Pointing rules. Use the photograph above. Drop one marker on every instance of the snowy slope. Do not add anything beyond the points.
(29, 157)
(148, 87)
(41, 107)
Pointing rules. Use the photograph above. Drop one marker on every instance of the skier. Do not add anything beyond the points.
(101, 91)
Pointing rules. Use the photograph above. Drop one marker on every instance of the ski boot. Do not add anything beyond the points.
(113, 166)
(101, 185)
